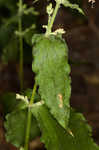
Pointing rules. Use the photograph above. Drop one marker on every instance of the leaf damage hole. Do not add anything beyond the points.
(60, 100)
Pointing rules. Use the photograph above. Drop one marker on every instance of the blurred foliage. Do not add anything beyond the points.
(9, 44)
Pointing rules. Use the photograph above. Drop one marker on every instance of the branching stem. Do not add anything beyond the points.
(50, 24)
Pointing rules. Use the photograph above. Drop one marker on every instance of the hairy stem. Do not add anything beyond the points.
(21, 46)
(50, 24)
(29, 118)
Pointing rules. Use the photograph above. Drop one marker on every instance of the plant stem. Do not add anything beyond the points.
(29, 118)
(21, 46)
(50, 24)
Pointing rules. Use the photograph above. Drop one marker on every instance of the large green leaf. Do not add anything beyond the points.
(15, 126)
(50, 63)
(77, 137)
(53, 135)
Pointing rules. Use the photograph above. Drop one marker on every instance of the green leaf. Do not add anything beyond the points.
(50, 63)
(66, 3)
(82, 132)
(15, 126)
(78, 137)
(53, 135)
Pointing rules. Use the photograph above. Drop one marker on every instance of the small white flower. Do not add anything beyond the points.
(58, 31)
(23, 98)
(37, 104)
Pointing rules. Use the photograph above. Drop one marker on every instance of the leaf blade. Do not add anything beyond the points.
(52, 75)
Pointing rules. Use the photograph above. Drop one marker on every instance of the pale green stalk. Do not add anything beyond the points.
(50, 24)
(29, 118)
